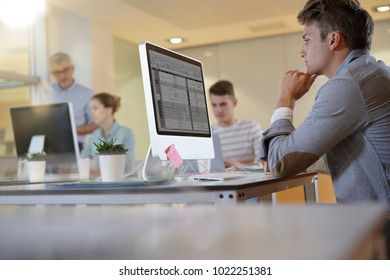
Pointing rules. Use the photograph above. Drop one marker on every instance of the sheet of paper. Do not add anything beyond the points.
(37, 144)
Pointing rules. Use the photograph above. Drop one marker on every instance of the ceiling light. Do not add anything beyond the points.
(383, 9)
(176, 40)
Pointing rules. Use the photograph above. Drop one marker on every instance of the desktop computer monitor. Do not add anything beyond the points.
(176, 103)
(176, 106)
(56, 123)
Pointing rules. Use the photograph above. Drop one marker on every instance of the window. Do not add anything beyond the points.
(15, 81)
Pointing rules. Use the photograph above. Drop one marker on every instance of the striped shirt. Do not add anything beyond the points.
(240, 141)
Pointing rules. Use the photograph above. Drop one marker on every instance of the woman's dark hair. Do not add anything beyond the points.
(108, 100)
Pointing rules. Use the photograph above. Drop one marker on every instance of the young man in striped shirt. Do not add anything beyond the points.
(240, 139)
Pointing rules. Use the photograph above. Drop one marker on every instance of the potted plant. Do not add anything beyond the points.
(36, 165)
(112, 159)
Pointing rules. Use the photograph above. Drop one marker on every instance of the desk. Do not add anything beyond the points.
(196, 232)
(178, 191)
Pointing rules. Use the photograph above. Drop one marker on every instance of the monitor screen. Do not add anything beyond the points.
(176, 103)
(56, 123)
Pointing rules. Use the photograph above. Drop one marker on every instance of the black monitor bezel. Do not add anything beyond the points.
(150, 47)
(61, 155)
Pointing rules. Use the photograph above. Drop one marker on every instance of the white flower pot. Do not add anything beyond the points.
(112, 167)
(36, 171)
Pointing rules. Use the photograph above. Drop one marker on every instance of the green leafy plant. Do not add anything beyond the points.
(41, 156)
(109, 147)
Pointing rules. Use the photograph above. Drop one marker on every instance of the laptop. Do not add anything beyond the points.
(216, 164)
(218, 171)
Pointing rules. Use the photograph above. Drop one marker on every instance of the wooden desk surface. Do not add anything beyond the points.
(201, 232)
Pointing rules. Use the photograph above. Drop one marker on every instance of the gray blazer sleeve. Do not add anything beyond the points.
(338, 112)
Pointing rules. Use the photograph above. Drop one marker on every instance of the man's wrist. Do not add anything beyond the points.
(285, 102)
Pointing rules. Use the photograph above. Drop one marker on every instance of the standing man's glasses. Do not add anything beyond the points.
(64, 71)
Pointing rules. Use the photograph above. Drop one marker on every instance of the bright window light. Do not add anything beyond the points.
(383, 9)
(20, 13)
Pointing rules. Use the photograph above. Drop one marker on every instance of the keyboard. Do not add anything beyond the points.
(221, 176)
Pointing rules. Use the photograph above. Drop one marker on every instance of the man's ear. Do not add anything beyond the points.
(334, 40)
(235, 101)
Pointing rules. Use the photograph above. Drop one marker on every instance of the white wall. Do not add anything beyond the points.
(102, 50)
(90, 45)
(71, 34)
(381, 42)
(128, 85)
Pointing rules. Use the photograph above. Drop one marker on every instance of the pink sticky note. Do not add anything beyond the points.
(173, 156)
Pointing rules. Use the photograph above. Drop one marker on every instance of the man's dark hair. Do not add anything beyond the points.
(345, 16)
(221, 88)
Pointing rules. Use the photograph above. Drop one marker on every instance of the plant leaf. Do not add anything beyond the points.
(109, 147)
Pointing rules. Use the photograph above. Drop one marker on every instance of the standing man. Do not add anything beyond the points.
(349, 125)
(240, 139)
(67, 90)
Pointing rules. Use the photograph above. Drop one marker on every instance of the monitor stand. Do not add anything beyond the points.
(155, 169)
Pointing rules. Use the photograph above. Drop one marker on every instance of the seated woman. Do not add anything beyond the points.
(103, 108)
